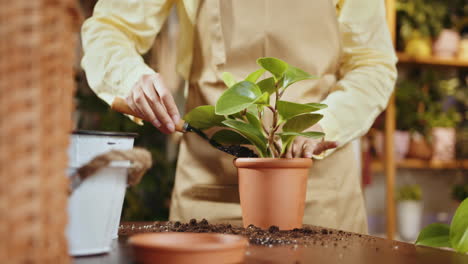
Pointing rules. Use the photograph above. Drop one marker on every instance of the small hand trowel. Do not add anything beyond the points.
(121, 106)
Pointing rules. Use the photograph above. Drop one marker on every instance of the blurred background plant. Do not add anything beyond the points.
(410, 192)
(435, 116)
(430, 98)
(424, 17)
(408, 96)
(460, 192)
(419, 21)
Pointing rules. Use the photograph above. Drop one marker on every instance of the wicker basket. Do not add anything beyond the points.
(36, 90)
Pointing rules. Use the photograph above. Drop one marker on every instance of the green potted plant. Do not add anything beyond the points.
(270, 185)
(408, 95)
(409, 211)
(443, 133)
(410, 100)
(419, 22)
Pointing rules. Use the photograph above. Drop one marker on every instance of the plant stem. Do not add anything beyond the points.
(272, 109)
(278, 148)
(274, 146)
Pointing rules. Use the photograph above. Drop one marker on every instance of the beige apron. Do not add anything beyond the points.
(229, 36)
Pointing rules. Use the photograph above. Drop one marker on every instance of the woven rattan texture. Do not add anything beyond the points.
(37, 40)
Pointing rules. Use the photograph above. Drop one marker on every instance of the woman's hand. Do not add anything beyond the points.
(152, 101)
(303, 147)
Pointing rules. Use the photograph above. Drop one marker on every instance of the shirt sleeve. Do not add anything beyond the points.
(114, 38)
(367, 74)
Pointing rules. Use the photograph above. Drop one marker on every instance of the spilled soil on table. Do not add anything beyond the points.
(257, 236)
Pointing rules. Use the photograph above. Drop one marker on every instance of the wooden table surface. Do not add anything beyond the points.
(351, 249)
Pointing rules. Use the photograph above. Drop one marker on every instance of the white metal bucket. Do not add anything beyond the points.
(96, 205)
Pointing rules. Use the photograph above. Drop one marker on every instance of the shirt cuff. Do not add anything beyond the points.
(127, 83)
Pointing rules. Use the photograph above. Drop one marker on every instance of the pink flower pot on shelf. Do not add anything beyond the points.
(401, 143)
(402, 139)
(443, 143)
(447, 43)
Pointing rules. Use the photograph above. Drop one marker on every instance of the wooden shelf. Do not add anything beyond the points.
(434, 61)
(377, 166)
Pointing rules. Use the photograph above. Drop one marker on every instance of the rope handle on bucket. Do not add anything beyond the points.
(140, 158)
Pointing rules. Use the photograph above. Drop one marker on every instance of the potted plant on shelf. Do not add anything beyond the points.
(410, 100)
(272, 188)
(419, 21)
(449, 42)
(409, 211)
(407, 96)
(443, 133)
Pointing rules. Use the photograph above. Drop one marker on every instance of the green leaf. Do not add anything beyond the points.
(264, 99)
(228, 79)
(294, 74)
(275, 66)
(253, 109)
(251, 133)
(310, 134)
(229, 137)
(235, 99)
(288, 137)
(204, 117)
(287, 140)
(253, 120)
(434, 235)
(267, 85)
(253, 77)
(301, 122)
(459, 228)
(289, 110)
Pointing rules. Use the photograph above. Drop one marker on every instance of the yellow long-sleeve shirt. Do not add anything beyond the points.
(121, 30)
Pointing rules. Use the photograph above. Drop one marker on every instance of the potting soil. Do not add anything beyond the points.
(257, 236)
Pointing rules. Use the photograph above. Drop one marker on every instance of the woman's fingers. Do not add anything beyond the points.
(289, 154)
(297, 147)
(306, 148)
(167, 99)
(137, 101)
(153, 102)
(324, 145)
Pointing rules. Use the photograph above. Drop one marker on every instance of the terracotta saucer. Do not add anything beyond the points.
(194, 248)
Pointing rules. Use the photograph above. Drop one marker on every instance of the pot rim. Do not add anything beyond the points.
(273, 162)
(226, 242)
(105, 133)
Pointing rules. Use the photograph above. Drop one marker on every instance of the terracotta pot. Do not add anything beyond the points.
(273, 191)
(447, 43)
(443, 143)
(419, 148)
(194, 248)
